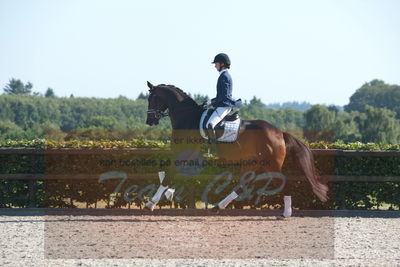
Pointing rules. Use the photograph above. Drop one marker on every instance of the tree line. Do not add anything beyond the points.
(372, 115)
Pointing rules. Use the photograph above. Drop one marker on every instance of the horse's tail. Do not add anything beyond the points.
(303, 158)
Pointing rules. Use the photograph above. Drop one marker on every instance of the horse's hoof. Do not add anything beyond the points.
(215, 209)
(281, 217)
(149, 206)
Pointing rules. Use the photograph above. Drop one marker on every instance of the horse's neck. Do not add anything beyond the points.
(185, 116)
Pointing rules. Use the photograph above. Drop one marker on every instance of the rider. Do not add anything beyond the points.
(223, 102)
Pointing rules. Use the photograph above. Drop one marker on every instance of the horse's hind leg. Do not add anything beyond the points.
(276, 159)
(287, 201)
(248, 174)
(236, 191)
(276, 167)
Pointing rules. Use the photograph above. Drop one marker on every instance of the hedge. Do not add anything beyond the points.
(190, 189)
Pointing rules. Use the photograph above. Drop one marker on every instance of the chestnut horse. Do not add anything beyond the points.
(258, 140)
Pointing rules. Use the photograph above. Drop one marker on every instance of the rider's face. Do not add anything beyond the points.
(218, 66)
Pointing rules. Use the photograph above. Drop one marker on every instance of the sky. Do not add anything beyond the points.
(319, 51)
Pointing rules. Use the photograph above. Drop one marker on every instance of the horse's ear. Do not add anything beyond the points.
(150, 86)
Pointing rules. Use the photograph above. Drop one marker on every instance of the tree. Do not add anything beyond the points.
(143, 96)
(319, 123)
(16, 87)
(9, 130)
(333, 108)
(303, 106)
(328, 124)
(346, 126)
(288, 119)
(377, 94)
(50, 93)
(37, 94)
(102, 122)
(199, 98)
(256, 102)
(379, 125)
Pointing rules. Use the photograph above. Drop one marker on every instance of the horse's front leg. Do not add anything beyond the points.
(163, 189)
(166, 177)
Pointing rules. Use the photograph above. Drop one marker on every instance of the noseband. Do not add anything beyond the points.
(158, 114)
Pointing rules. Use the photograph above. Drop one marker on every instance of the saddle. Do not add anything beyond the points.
(227, 130)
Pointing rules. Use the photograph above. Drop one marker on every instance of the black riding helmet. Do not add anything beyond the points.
(222, 58)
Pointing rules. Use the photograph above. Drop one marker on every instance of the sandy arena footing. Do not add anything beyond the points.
(104, 237)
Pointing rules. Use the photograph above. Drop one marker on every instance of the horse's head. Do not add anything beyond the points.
(157, 105)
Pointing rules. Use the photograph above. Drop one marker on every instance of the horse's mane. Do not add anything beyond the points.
(179, 91)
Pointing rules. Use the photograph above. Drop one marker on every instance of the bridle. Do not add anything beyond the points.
(158, 114)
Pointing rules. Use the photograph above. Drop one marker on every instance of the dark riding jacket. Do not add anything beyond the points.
(224, 91)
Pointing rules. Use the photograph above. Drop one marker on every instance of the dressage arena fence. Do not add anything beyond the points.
(36, 177)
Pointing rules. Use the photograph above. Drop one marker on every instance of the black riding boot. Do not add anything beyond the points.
(213, 141)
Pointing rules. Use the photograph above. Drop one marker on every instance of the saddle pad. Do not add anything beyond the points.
(230, 128)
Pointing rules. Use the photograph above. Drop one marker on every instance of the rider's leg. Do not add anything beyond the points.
(218, 114)
(212, 138)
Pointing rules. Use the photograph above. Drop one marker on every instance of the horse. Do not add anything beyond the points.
(257, 140)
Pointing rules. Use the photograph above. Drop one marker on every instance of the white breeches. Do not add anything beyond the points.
(218, 114)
